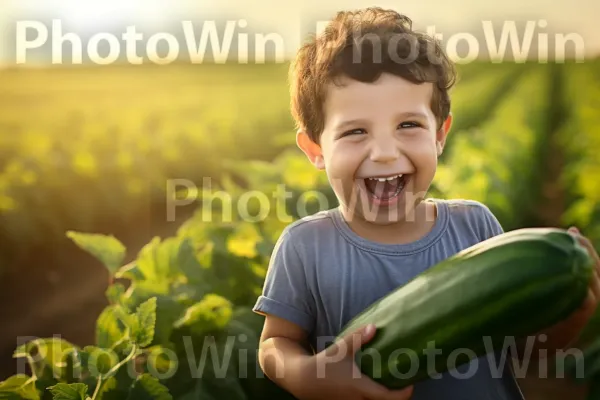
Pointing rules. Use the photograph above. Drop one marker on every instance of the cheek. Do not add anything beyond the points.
(424, 158)
(344, 160)
(424, 153)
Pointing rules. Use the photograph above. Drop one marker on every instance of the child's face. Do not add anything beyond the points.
(383, 130)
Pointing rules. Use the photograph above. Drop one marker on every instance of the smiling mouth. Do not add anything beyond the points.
(385, 188)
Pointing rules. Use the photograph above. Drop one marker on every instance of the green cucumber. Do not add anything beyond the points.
(512, 285)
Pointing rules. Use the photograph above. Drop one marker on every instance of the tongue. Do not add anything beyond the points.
(382, 190)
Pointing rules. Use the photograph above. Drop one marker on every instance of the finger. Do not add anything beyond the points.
(589, 305)
(349, 344)
(588, 245)
(585, 242)
(595, 287)
(571, 327)
(593, 253)
(580, 318)
(595, 281)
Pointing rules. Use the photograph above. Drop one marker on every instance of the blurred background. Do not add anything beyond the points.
(93, 126)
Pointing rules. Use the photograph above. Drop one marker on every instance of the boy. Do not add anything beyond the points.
(370, 98)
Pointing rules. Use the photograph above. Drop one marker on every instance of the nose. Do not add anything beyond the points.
(384, 151)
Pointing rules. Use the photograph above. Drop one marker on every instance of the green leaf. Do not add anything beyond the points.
(73, 391)
(187, 294)
(248, 321)
(212, 312)
(18, 387)
(141, 291)
(110, 390)
(189, 264)
(243, 241)
(219, 235)
(116, 387)
(147, 387)
(49, 357)
(130, 271)
(297, 173)
(265, 248)
(158, 360)
(234, 278)
(108, 329)
(109, 250)
(158, 260)
(220, 376)
(246, 326)
(99, 361)
(146, 322)
(168, 311)
(114, 293)
(168, 306)
(127, 320)
(117, 325)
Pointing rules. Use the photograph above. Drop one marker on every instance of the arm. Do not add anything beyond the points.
(286, 303)
(332, 373)
(283, 354)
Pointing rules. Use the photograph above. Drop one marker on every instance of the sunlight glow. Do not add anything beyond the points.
(96, 14)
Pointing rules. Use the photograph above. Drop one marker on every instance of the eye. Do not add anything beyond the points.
(357, 131)
(410, 124)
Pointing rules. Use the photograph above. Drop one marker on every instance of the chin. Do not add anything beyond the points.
(383, 214)
(386, 217)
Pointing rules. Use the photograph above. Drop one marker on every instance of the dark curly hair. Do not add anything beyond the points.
(362, 45)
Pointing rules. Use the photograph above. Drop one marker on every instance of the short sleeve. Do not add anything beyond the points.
(285, 291)
(491, 226)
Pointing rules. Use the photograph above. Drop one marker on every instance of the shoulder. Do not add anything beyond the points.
(306, 235)
(473, 216)
(466, 207)
(310, 227)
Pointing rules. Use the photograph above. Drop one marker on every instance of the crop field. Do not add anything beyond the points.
(86, 155)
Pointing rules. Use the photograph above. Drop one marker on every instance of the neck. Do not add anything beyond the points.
(413, 227)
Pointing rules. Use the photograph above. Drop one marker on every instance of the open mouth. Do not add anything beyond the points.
(386, 188)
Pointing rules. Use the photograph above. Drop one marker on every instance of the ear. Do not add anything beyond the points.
(442, 134)
(311, 149)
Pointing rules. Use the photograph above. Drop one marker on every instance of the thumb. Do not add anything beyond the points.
(351, 342)
(354, 340)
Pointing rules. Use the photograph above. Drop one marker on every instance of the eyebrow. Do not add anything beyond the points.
(353, 122)
(413, 115)
(344, 124)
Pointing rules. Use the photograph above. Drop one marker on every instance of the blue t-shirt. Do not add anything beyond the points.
(322, 274)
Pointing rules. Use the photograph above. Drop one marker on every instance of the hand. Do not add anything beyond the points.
(339, 377)
(566, 332)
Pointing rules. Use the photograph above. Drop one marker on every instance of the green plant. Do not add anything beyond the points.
(179, 322)
(178, 325)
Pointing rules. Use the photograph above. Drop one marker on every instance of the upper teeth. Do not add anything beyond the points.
(386, 179)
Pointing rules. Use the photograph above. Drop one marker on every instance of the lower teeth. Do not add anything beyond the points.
(400, 187)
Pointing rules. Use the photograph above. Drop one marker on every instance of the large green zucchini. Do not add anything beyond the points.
(512, 285)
